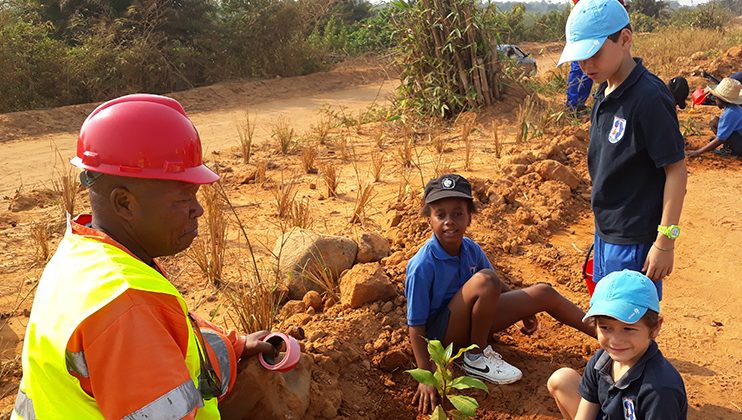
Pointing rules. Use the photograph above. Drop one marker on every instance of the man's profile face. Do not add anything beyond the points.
(165, 217)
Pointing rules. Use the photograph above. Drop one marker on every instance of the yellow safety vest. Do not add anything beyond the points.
(82, 277)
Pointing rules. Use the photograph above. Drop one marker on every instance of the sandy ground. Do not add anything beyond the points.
(701, 334)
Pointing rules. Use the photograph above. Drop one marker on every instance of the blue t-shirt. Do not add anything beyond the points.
(729, 122)
(434, 277)
(651, 390)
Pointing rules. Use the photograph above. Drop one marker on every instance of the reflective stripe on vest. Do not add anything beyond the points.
(173, 405)
(222, 357)
(82, 277)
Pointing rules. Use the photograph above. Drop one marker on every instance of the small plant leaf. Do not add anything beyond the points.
(467, 405)
(435, 349)
(464, 350)
(466, 382)
(449, 351)
(423, 376)
(438, 414)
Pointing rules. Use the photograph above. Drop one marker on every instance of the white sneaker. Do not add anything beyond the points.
(491, 367)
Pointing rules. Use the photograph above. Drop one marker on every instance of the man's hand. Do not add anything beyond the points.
(426, 398)
(254, 344)
(659, 263)
(530, 325)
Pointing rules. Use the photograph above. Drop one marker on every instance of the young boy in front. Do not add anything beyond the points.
(628, 378)
(636, 154)
(454, 296)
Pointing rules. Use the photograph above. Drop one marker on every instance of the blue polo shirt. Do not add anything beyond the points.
(730, 122)
(434, 277)
(634, 134)
(652, 389)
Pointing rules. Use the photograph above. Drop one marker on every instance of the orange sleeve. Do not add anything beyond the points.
(237, 341)
(134, 349)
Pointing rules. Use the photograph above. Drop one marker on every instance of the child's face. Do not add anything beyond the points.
(449, 219)
(625, 343)
(607, 61)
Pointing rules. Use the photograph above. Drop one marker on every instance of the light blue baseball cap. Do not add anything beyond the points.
(588, 26)
(624, 295)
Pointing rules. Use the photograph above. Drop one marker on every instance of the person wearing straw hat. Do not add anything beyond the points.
(636, 156)
(728, 95)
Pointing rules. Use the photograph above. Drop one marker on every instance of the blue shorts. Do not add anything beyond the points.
(608, 258)
(437, 324)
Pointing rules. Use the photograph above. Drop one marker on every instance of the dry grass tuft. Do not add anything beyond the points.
(301, 214)
(308, 155)
(284, 194)
(283, 134)
(377, 164)
(40, 236)
(468, 152)
(260, 172)
(321, 275)
(254, 301)
(344, 147)
(523, 118)
(496, 141)
(404, 152)
(379, 137)
(208, 252)
(363, 198)
(321, 130)
(246, 130)
(65, 184)
(438, 141)
(330, 175)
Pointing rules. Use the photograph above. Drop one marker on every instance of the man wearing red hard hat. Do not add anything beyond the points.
(109, 336)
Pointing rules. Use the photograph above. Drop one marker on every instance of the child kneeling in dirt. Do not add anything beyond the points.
(628, 378)
(728, 127)
(454, 296)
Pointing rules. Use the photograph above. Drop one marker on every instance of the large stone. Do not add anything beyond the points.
(555, 171)
(305, 255)
(259, 393)
(372, 247)
(365, 283)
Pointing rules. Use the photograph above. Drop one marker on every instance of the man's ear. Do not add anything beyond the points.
(122, 202)
(656, 330)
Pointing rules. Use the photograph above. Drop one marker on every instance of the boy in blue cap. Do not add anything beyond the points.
(636, 154)
(628, 378)
(454, 296)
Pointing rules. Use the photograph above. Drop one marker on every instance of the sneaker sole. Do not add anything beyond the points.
(494, 381)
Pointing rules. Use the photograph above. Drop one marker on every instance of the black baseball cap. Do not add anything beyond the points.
(679, 89)
(447, 186)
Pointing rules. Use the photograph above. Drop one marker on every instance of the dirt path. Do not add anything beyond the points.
(29, 161)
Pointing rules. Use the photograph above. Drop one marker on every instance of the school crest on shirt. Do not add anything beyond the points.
(617, 130)
(629, 410)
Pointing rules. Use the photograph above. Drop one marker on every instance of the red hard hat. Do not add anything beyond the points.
(142, 136)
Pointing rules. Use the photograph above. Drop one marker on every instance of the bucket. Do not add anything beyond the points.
(587, 271)
(698, 97)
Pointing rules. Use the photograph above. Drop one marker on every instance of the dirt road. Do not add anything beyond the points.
(30, 160)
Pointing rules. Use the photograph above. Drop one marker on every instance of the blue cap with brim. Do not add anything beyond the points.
(624, 295)
(588, 26)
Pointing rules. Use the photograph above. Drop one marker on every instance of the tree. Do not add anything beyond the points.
(652, 8)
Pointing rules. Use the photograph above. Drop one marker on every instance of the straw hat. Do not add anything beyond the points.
(728, 90)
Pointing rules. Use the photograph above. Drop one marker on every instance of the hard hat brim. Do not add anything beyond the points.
(197, 175)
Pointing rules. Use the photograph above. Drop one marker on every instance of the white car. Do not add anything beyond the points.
(523, 59)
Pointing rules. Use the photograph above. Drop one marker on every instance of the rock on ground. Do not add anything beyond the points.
(372, 247)
(304, 255)
(365, 283)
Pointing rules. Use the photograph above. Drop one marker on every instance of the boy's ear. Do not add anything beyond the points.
(626, 37)
(656, 330)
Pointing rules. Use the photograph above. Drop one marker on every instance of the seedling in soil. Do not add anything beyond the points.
(246, 129)
(445, 383)
(254, 301)
(404, 152)
(379, 137)
(321, 131)
(283, 134)
(260, 171)
(468, 152)
(438, 141)
(308, 155)
(377, 164)
(496, 141)
(523, 118)
(301, 215)
(320, 274)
